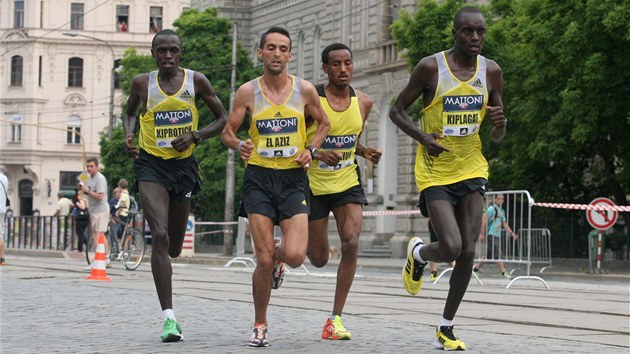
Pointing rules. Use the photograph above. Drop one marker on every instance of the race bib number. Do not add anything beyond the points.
(277, 137)
(461, 115)
(171, 124)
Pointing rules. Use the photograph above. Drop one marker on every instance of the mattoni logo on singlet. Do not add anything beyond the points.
(277, 126)
(172, 117)
(339, 141)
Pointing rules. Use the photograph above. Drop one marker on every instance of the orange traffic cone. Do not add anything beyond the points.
(98, 265)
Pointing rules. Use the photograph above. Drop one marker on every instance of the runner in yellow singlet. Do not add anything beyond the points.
(334, 177)
(459, 87)
(167, 173)
(275, 186)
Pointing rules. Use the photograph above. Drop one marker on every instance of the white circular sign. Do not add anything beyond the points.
(601, 219)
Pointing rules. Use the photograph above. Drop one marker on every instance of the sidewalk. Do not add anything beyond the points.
(561, 268)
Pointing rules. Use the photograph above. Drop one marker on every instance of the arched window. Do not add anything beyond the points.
(75, 72)
(17, 67)
(74, 130)
(16, 128)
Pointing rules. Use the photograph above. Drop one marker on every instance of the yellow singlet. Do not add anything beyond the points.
(168, 117)
(277, 132)
(345, 128)
(456, 111)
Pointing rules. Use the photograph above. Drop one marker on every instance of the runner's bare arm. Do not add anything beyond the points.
(495, 101)
(365, 106)
(205, 91)
(243, 100)
(313, 108)
(137, 99)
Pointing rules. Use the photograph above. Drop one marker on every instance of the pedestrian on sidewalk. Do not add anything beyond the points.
(493, 219)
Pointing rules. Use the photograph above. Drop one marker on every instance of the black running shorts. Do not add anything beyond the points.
(452, 192)
(322, 205)
(277, 194)
(180, 177)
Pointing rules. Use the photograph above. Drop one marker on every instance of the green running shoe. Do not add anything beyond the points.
(171, 331)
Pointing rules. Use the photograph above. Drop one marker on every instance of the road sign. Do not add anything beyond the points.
(601, 219)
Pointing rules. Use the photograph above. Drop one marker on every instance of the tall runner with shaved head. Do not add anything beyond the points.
(459, 87)
(167, 173)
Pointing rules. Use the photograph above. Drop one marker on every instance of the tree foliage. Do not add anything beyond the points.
(566, 93)
(207, 48)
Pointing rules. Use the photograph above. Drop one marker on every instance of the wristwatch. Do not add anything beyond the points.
(313, 151)
(196, 136)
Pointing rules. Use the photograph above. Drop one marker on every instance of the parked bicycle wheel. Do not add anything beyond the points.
(90, 249)
(133, 247)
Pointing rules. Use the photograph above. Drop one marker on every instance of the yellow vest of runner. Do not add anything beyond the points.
(345, 128)
(456, 112)
(278, 132)
(168, 117)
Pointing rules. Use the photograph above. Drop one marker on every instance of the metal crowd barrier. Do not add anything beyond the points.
(56, 233)
(39, 232)
(532, 246)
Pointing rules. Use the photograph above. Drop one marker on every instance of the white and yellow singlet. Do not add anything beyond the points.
(168, 117)
(278, 132)
(345, 128)
(456, 112)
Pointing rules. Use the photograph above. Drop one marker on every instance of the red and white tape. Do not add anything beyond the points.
(390, 212)
(622, 208)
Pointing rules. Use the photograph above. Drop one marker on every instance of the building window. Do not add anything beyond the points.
(122, 18)
(68, 179)
(16, 128)
(18, 14)
(73, 135)
(39, 73)
(76, 16)
(17, 66)
(75, 72)
(155, 19)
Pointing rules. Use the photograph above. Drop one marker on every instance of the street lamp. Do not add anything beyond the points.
(111, 94)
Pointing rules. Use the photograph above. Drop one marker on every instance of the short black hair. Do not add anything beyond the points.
(164, 32)
(92, 159)
(274, 29)
(464, 11)
(330, 48)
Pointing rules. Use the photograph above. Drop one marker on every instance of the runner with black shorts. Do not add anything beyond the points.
(167, 173)
(275, 186)
(459, 88)
(335, 178)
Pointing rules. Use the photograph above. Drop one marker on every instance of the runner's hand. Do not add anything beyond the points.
(130, 149)
(246, 149)
(373, 155)
(182, 142)
(304, 159)
(432, 146)
(330, 158)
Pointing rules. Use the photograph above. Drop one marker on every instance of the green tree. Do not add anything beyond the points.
(207, 44)
(567, 90)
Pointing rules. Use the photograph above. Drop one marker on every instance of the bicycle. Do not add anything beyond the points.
(130, 253)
